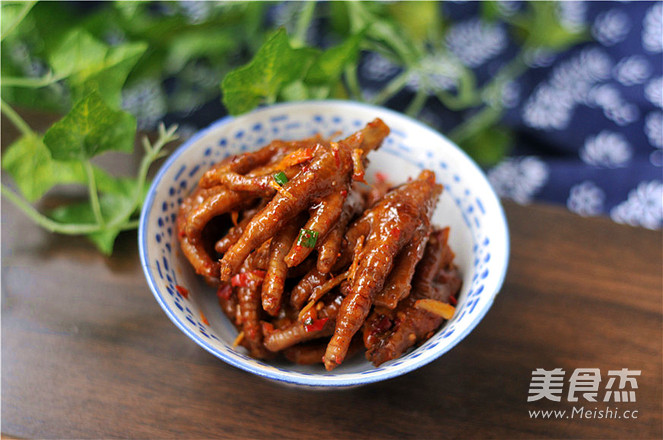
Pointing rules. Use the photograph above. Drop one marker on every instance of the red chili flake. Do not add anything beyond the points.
(307, 155)
(297, 157)
(181, 234)
(344, 193)
(225, 292)
(204, 318)
(182, 291)
(243, 279)
(336, 155)
(359, 177)
(453, 301)
(239, 280)
(381, 177)
(315, 325)
(259, 273)
(396, 232)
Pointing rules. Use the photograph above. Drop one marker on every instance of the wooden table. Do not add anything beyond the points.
(88, 353)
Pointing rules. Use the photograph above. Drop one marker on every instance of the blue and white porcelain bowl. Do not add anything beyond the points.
(479, 234)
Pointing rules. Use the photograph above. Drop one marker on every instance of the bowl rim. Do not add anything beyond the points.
(310, 380)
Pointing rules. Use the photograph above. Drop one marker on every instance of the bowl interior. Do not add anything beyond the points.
(478, 236)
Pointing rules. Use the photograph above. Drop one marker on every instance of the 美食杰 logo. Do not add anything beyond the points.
(585, 385)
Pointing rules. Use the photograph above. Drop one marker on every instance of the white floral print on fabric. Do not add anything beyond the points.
(548, 108)
(643, 207)
(475, 41)
(539, 57)
(572, 14)
(114, 37)
(519, 178)
(510, 94)
(654, 128)
(508, 7)
(552, 103)
(436, 72)
(632, 70)
(586, 199)
(652, 29)
(196, 11)
(378, 68)
(146, 101)
(654, 91)
(611, 27)
(606, 149)
(608, 98)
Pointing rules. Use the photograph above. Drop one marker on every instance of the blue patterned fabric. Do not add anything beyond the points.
(589, 120)
(595, 118)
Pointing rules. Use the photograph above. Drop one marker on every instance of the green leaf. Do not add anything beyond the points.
(90, 64)
(129, 9)
(295, 91)
(419, 19)
(490, 145)
(489, 10)
(338, 17)
(82, 213)
(539, 26)
(28, 161)
(109, 76)
(12, 14)
(275, 65)
(90, 128)
(195, 44)
(328, 67)
(77, 51)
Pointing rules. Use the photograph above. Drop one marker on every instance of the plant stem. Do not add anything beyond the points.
(152, 153)
(353, 82)
(491, 113)
(417, 103)
(133, 224)
(121, 221)
(485, 118)
(21, 15)
(394, 86)
(94, 195)
(408, 54)
(16, 119)
(303, 22)
(453, 102)
(45, 222)
(31, 83)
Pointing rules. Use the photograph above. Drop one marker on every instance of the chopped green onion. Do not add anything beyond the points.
(307, 238)
(281, 178)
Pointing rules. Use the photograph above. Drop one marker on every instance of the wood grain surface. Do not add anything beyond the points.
(88, 353)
